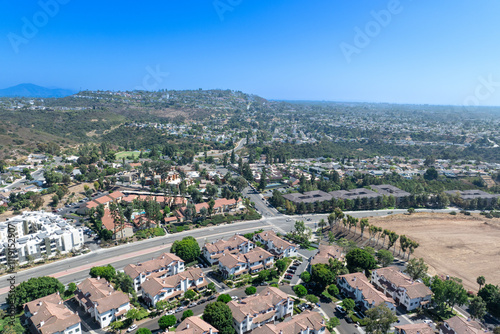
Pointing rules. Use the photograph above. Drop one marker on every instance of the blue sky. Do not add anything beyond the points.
(435, 52)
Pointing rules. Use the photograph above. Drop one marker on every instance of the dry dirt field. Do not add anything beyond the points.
(460, 246)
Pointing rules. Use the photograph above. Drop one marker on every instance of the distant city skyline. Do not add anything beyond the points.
(390, 51)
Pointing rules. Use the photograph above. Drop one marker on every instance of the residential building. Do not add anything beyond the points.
(307, 322)
(38, 234)
(366, 296)
(276, 245)
(405, 292)
(325, 253)
(354, 194)
(160, 286)
(419, 328)
(266, 307)
(49, 315)
(236, 244)
(308, 197)
(119, 231)
(235, 265)
(459, 325)
(221, 205)
(167, 263)
(98, 298)
(195, 325)
(390, 190)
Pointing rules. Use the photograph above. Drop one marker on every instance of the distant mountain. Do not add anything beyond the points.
(31, 90)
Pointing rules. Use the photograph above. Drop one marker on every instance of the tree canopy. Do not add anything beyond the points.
(219, 315)
(107, 272)
(379, 319)
(187, 249)
(358, 260)
(32, 289)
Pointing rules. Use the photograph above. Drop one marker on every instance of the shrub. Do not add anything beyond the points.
(312, 299)
(250, 290)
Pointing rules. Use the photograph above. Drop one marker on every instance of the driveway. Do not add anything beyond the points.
(88, 323)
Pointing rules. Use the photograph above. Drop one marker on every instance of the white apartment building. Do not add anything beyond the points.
(236, 244)
(37, 234)
(276, 245)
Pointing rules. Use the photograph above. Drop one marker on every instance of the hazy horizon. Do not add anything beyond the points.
(399, 52)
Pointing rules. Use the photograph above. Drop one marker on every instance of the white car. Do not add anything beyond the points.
(340, 309)
(131, 328)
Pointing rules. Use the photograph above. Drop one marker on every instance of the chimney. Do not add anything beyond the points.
(210, 330)
(187, 326)
(40, 303)
(42, 323)
(98, 277)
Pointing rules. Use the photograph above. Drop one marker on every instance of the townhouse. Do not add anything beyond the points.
(459, 325)
(255, 311)
(236, 244)
(101, 301)
(221, 205)
(49, 315)
(125, 230)
(307, 322)
(275, 245)
(366, 296)
(162, 287)
(168, 264)
(105, 200)
(235, 265)
(401, 288)
(195, 325)
(324, 254)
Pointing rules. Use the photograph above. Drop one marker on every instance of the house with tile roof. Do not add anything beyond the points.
(159, 286)
(195, 325)
(99, 299)
(167, 263)
(48, 315)
(418, 328)
(357, 287)
(401, 288)
(275, 245)
(120, 231)
(266, 307)
(459, 325)
(325, 253)
(236, 244)
(235, 265)
(307, 322)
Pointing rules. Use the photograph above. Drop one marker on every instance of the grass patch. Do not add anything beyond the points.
(126, 154)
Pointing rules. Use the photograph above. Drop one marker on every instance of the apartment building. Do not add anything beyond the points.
(257, 310)
(167, 263)
(235, 265)
(401, 288)
(235, 245)
(307, 322)
(275, 245)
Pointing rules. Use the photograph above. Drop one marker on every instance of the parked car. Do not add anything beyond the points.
(131, 328)
(293, 267)
(201, 301)
(234, 297)
(212, 297)
(264, 283)
(180, 309)
(192, 305)
(170, 312)
(349, 320)
(340, 309)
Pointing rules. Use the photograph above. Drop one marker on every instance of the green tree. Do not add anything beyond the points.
(124, 282)
(187, 314)
(359, 259)
(322, 224)
(190, 294)
(477, 308)
(224, 298)
(322, 275)
(332, 323)
(348, 304)
(384, 257)
(250, 290)
(416, 268)
(431, 174)
(305, 276)
(107, 272)
(312, 299)
(333, 290)
(379, 319)
(143, 331)
(448, 293)
(32, 289)
(187, 249)
(280, 265)
(491, 295)
(300, 290)
(167, 321)
(219, 315)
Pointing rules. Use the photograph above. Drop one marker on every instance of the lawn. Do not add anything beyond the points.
(126, 154)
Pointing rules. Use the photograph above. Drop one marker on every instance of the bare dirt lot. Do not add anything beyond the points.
(460, 246)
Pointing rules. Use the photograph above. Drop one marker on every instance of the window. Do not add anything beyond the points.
(77, 330)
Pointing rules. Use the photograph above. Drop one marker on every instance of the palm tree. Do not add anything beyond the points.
(322, 224)
(384, 234)
(481, 280)
(362, 224)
